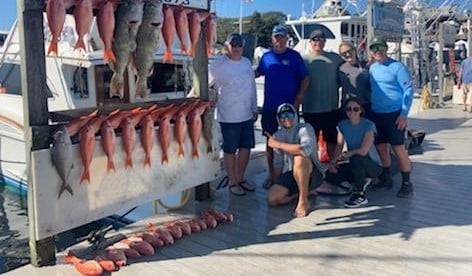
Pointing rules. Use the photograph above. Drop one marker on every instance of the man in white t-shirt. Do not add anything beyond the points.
(233, 77)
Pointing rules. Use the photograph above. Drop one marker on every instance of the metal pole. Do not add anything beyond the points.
(441, 62)
(241, 16)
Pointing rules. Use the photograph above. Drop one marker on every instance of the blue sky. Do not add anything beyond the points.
(224, 8)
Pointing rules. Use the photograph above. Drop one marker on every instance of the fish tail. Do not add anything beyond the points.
(129, 162)
(165, 159)
(109, 56)
(168, 57)
(191, 51)
(52, 48)
(80, 44)
(209, 148)
(65, 188)
(195, 153)
(111, 166)
(116, 85)
(147, 160)
(141, 88)
(183, 49)
(85, 176)
(181, 151)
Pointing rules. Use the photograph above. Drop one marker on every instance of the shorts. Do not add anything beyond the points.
(326, 122)
(387, 131)
(466, 87)
(288, 181)
(269, 121)
(237, 135)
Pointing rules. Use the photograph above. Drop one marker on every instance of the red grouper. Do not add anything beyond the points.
(106, 26)
(164, 131)
(180, 124)
(194, 22)
(210, 32)
(56, 16)
(181, 26)
(108, 136)
(168, 32)
(87, 144)
(89, 268)
(195, 122)
(83, 15)
(128, 133)
(128, 18)
(147, 42)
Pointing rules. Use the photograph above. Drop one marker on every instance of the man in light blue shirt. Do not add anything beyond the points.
(392, 94)
(465, 79)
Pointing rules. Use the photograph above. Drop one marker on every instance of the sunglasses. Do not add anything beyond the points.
(238, 45)
(353, 109)
(317, 38)
(378, 48)
(349, 53)
(286, 115)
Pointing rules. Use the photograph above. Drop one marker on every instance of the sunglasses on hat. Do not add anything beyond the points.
(378, 48)
(286, 115)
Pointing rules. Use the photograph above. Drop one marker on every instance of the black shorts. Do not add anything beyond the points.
(288, 181)
(326, 122)
(269, 121)
(387, 131)
(237, 135)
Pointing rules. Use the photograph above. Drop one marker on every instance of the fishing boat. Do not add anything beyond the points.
(75, 80)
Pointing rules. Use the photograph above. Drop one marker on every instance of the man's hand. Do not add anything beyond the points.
(298, 101)
(254, 116)
(271, 142)
(401, 122)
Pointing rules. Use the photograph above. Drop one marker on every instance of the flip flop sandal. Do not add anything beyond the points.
(247, 186)
(237, 192)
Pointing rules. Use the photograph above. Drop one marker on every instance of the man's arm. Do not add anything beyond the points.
(301, 91)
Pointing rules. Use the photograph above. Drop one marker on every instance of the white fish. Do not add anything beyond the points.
(62, 158)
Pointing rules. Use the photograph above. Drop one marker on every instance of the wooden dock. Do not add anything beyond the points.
(430, 234)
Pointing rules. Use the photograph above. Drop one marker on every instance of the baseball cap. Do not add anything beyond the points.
(378, 40)
(317, 33)
(279, 30)
(235, 38)
(285, 108)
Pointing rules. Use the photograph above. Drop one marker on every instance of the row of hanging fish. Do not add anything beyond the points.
(187, 118)
(130, 31)
(145, 243)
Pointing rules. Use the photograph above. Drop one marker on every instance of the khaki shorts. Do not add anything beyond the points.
(466, 88)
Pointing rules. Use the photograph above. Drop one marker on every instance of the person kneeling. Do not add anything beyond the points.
(295, 147)
(358, 133)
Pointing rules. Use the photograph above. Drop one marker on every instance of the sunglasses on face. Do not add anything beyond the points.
(287, 115)
(347, 54)
(353, 109)
(378, 48)
(236, 45)
(317, 38)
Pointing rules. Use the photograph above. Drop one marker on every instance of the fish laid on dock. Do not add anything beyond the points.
(90, 267)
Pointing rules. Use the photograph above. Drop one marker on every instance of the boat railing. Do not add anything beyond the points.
(7, 43)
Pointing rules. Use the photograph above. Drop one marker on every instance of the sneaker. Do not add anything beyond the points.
(406, 190)
(383, 184)
(355, 200)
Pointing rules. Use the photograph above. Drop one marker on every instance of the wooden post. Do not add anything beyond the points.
(200, 84)
(33, 86)
(441, 63)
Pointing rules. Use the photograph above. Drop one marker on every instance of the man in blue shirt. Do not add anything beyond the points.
(392, 94)
(465, 79)
(286, 79)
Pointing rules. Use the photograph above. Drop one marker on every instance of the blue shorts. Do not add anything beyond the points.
(237, 135)
(269, 121)
(387, 131)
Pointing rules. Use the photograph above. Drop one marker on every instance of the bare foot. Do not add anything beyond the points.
(302, 209)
